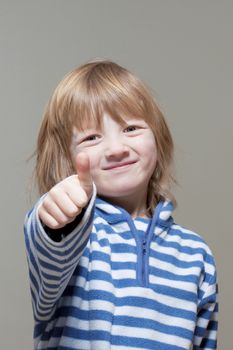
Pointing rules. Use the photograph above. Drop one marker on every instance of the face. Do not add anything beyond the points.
(122, 157)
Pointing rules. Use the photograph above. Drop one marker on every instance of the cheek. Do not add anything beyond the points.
(149, 147)
(150, 154)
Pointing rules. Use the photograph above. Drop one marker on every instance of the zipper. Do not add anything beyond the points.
(143, 246)
(144, 274)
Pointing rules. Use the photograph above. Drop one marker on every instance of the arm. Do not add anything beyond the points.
(52, 260)
(51, 263)
(207, 323)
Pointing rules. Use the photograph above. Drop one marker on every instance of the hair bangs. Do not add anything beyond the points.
(94, 97)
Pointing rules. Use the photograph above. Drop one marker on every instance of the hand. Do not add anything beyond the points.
(67, 198)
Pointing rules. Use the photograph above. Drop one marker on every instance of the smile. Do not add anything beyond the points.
(120, 166)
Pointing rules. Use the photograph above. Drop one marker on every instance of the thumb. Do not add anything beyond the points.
(83, 172)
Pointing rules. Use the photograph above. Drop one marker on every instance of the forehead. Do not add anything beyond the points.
(97, 121)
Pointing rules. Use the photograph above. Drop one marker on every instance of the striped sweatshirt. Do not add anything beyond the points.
(121, 283)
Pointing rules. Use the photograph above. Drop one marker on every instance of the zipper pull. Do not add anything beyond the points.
(144, 247)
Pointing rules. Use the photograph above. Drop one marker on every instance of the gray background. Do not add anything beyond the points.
(184, 51)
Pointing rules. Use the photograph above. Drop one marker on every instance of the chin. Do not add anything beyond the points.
(117, 192)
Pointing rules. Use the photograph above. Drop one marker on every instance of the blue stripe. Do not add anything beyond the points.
(175, 261)
(182, 248)
(206, 343)
(123, 248)
(119, 340)
(172, 276)
(132, 282)
(175, 292)
(129, 301)
(33, 280)
(127, 321)
(64, 348)
(185, 235)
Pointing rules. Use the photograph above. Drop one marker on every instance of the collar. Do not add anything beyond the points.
(162, 216)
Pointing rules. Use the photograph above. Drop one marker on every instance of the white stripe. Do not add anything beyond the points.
(108, 208)
(145, 333)
(114, 238)
(86, 344)
(153, 295)
(187, 286)
(164, 319)
(137, 332)
(123, 257)
(190, 242)
(169, 267)
(77, 241)
(95, 245)
(141, 293)
(174, 252)
(198, 340)
(121, 227)
(101, 266)
(208, 289)
(159, 230)
(134, 311)
(165, 214)
(142, 226)
(202, 322)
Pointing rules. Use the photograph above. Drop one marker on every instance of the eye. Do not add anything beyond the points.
(130, 128)
(91, 138)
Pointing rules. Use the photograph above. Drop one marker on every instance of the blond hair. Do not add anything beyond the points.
(80, 99)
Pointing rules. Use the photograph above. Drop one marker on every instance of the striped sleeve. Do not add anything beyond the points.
(205, 336)
(51, 263)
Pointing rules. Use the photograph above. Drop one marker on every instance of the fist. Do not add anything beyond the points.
(67, 198)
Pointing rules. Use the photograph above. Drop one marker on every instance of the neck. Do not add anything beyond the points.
(135, 207)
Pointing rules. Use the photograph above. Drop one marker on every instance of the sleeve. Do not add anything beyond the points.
(51, 264)
(58, 234)
(207, 314)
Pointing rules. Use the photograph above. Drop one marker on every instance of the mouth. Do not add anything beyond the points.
(122, 165)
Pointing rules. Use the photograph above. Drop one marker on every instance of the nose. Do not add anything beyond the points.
(116, 150)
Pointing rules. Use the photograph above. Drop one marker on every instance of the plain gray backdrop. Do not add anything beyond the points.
(184, 51)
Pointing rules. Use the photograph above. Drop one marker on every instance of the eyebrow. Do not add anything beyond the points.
(76, 133)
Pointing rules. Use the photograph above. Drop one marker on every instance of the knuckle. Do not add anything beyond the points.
(54, 225)
(71, 213)
(42, 216)
(63, 219)
(53, 191)
(69, 181)
(58, 223)
(62, 222)
(46, 202)
(83, 202)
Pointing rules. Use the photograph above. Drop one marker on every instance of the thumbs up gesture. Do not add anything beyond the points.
(67, 198)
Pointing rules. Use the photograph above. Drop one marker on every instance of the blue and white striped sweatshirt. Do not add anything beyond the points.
(122, 284)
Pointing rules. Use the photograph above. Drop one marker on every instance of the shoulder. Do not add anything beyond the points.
(193, 247)
(186, 235)
(194, 243)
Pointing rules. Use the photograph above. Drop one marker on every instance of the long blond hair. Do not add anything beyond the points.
(80, 99)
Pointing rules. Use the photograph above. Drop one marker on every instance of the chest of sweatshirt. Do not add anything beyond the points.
(126, 253)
